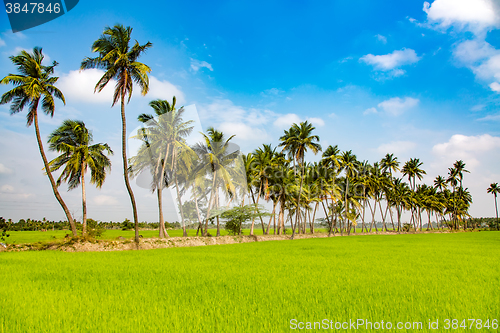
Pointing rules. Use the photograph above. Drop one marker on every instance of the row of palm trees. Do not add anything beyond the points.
(339, 185)
(345, 187)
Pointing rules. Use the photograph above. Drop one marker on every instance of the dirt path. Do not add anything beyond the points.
(157, 243)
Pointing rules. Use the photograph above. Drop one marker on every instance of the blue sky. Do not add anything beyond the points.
(404, 77)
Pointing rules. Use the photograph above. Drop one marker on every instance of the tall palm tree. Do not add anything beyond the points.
(34, 85)
(72, 139)
(453, 181)
(350, 165)
(412, 170)
(119, 60)
(163, 139)
(495, 189)
(299, 142)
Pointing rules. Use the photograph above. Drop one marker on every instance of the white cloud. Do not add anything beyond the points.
(396, 147)
(197, 65)
(381, 38)
(472, 15)
(2, 42)
(392, 60)
(80, 85)
(370, 111)
(4, 170)
(105, 200)
(164, 90)
(482, 58)
(466, 148)
(243, 131)
(495, 86)
(396, 106)
(472, 51)
(287, 120)
(316, 121)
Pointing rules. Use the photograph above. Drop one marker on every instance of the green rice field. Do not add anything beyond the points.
(257, 287)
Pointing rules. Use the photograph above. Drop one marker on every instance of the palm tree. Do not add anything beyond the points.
(163, 138)
(440, 183)
(215, 158)
(495, 189)
(119, 60)
(413, 171)
(33, 86)
(298, 142)
(72, 139)
(453, 181)
(460, 169)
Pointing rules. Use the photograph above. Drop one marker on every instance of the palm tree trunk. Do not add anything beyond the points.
(384, 227)
(298, 199)
(210, 204)
(496, 209)
(163, 231)
(217, 206)
(270, 218)
(197, 209)
(330, 223)
(51, 178)
(184, 232)
(84, 203)
(253, 219)
(346, 208)
(363, 227)
(125, 167)
(314, 216)
(159, 189)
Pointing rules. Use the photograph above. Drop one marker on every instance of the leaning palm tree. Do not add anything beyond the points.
(298, 140)
(495, 189)
(72, 139)
(119, 60)
(34, 85)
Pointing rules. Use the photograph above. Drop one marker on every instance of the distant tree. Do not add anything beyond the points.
(238, 215)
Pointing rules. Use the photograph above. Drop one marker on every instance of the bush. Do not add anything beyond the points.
(94, 228)
(127, 225)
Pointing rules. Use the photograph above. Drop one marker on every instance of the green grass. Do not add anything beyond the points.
(254, 287)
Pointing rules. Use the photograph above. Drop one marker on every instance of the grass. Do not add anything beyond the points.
(254, 287)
